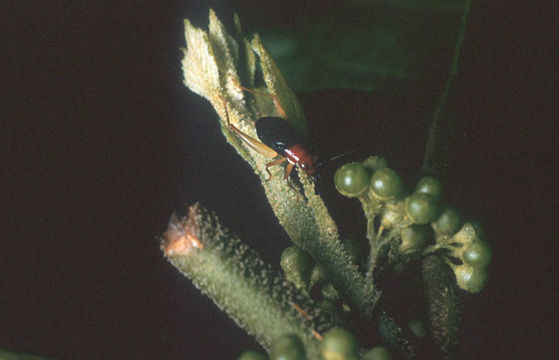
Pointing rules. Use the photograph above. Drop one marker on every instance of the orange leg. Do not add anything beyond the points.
(273, 163)
(260, 147)
(279, 108)
(288, 170)
(254, 144)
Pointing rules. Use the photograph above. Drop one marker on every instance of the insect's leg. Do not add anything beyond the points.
(254, 144)
(288, 170)
(279, 108)
(273, 163)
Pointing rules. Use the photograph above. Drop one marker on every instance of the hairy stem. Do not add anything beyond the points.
(239, 282)
(443, 305)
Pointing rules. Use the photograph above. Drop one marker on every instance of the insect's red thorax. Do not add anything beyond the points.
(298, 155)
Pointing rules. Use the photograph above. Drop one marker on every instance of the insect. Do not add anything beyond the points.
(278, 140)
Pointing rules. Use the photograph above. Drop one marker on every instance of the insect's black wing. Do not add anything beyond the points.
(276, 133)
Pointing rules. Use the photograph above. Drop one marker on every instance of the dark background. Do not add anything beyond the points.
(101, 143)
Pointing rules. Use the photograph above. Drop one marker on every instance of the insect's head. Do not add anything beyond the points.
(308, 162)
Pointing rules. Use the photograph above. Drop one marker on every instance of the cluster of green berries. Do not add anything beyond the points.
(336, 344)
(468, 246)
(417, 217)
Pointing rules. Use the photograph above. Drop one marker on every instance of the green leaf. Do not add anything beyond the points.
(8, 355)
(371, 46)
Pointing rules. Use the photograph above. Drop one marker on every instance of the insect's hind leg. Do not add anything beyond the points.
(273, 163)
(279, 108)
(251, 142)
(286, 174)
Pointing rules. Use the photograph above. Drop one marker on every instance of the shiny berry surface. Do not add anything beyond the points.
(339, 344)
(449, 221)
(422, 208)
(430, 185)
(470, 278)
(351, 180)
(287, 347)
(477, 254)
(386, 184)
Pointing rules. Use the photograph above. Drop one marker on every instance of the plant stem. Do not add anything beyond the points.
(240, 282)
(443, 305)
(434, 160)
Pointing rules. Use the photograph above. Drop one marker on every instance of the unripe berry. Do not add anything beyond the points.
(386, 184)
(339, 344)
(296, 265)
(351, 180)
(414, 237)
(422, 208)
(287, 347)
(375, 163)
(251, 355)
(449, 222)
(430, 185)
(377, 353)
(477, 254)
(470, 278)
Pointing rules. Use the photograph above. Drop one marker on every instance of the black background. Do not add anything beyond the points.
(101, 143)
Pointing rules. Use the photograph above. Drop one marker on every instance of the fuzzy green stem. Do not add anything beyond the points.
(239, 282)
(443, 305)
(442, 127)
(394, 335)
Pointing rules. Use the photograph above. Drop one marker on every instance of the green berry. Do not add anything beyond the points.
(251, 355)
(287, 347)
(477, 254)
(351, 180)
(377, 353)
(430, 185)
(296, 264)
(449, 222)
(470, 278)
(375, 163)
(414, 237)
(339, 344)
(386, 184)
(422, 208)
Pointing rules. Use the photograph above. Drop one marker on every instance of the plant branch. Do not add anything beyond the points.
(240, 282)
(211, 69)
(443, 305)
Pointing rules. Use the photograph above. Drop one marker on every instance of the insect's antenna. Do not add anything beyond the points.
(336, 157)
